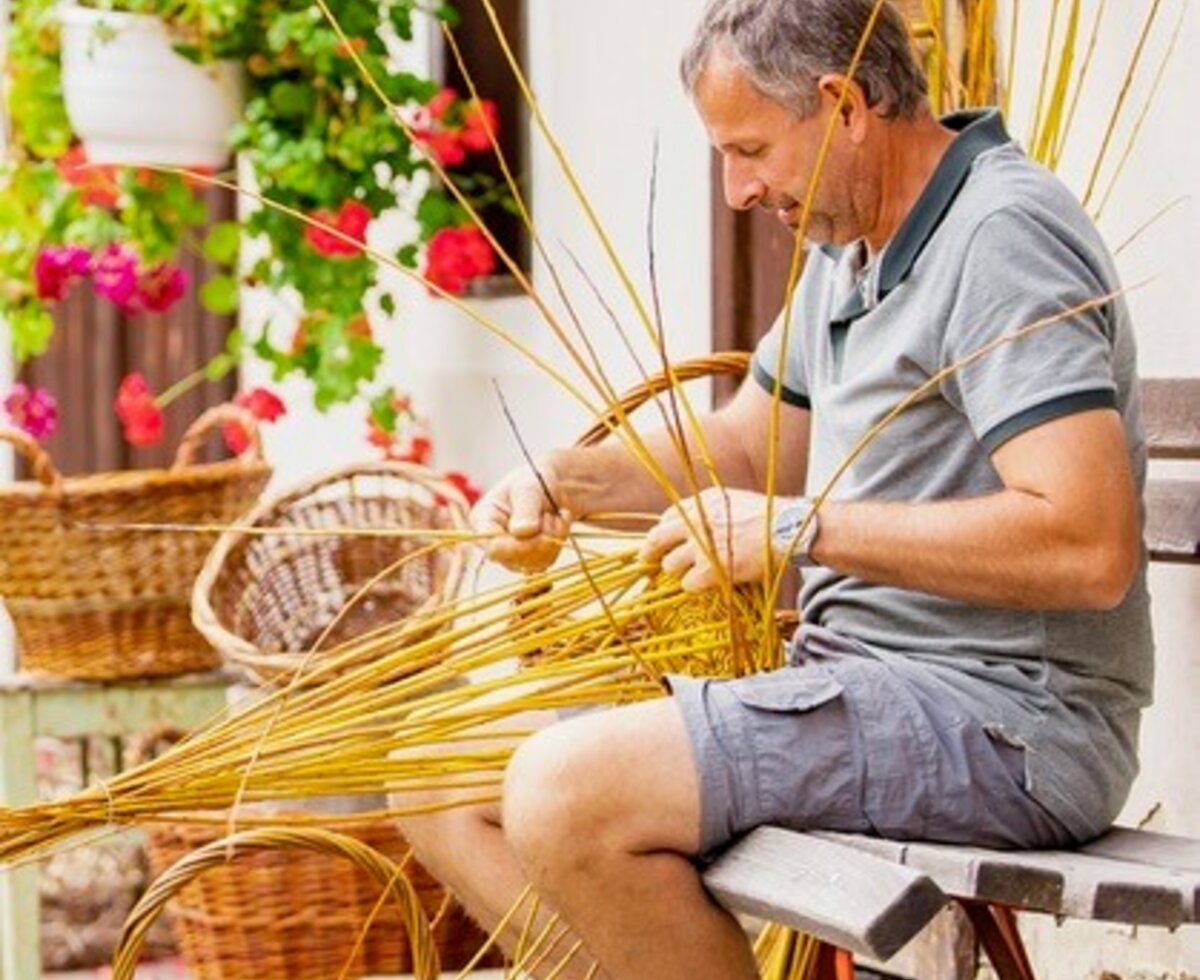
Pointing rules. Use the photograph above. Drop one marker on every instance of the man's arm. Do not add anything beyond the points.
(610, 479)
(1063, 534)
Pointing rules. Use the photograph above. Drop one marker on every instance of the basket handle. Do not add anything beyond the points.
(198, 431)
(733, 363)
(44, 470)
(219, 852)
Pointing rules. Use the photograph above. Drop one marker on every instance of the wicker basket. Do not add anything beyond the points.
(263, 600)
(102, 605)
(297, 915)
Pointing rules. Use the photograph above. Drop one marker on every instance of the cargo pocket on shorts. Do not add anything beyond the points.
(1011, 751)
(787, 689)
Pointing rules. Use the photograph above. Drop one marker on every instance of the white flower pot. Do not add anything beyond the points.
(133, 100)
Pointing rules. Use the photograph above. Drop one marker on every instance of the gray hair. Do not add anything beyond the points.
(785, 46)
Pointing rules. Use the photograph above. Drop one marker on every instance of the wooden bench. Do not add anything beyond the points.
(870, 897)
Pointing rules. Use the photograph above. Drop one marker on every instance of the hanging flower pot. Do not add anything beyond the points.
(133, 99)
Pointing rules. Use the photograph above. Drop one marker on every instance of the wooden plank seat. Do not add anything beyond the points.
(847, 890)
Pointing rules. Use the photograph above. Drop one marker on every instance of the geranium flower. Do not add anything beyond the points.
(57, 269)
(140, 416)
(97, 185)
(455, 256)
(264, 405)
(452, 129)
(464, 485)
(352, 220)
(115, 277)
(161, 287)
(418, 449)
(481, 125)
(32, 410)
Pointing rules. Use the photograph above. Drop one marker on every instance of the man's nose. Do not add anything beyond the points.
(742, 189)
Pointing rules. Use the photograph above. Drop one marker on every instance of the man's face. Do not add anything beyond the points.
(769, 154)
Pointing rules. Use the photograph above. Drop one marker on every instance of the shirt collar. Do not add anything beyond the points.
(978, 130)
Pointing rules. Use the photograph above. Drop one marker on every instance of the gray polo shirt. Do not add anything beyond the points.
(994, 243)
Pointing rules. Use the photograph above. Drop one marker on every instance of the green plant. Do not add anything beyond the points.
(317, 141)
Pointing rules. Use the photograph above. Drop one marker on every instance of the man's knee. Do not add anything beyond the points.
(552, 815)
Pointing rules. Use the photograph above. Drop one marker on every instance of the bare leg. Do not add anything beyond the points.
(601, 816)
(603, 813)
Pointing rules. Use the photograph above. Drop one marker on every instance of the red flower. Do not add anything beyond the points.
(161, 287)
(452, 129)
(264, 405)
(351, 221)
(97, 185)
(463, 484)
(456, 256)
(481, 125)
(138, 411)
(419, 450)
(115, 277)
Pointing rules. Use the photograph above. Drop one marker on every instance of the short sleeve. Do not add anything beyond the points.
(765, 365)
(1019, 271)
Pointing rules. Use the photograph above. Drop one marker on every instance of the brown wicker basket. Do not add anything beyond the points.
(102, 605)
(263, 600)
(297, 915)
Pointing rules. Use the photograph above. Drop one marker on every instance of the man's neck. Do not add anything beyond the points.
(910, 156)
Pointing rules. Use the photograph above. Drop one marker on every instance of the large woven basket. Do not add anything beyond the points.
(298, 915)
(265, 600)
(106, 604)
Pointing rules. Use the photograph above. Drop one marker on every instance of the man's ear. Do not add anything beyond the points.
(845, 97)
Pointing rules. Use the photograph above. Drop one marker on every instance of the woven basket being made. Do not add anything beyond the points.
(264, 600)
(289, 915)
(102, 604)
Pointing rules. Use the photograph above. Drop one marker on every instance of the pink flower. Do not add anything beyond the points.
(161, 287)
(351, 219)
(456, 256)
(115, 277)
(138, 411)
(57, 269)
(33, 410)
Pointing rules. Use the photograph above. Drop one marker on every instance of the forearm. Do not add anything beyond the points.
(1007, 549)
(623, 477)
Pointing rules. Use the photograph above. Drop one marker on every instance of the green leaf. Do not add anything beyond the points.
(219, 367)
(223, 242)
(387, 303)
(220, 295)
(407, 256)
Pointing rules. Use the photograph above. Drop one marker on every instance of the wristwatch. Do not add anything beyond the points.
(786, 526)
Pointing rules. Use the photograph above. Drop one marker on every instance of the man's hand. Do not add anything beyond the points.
(738, 523)
(523, 531)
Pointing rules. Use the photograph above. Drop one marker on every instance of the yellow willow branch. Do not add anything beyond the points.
(1123, 95)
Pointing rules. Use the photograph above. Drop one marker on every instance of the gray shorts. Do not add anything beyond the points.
(848, 744)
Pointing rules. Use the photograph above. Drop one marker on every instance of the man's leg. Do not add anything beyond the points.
(603, 814)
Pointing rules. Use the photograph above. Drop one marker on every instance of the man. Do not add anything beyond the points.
(975, 645)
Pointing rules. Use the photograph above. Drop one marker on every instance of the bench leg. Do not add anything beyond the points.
(833, 964)
(996, 928)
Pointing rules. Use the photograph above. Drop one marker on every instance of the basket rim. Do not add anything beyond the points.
(133, 482)
(247, 654)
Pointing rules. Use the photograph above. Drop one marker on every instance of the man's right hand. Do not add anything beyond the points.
(522, 530)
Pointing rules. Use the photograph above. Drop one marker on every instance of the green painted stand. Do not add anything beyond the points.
(36, 707)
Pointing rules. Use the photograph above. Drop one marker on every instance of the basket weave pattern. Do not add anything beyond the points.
(105, 604)
(264, 600)
(285, 915)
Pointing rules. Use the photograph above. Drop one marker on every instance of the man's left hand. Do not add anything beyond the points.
(737, 538)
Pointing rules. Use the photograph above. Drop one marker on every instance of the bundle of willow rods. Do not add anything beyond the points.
(389, 712)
